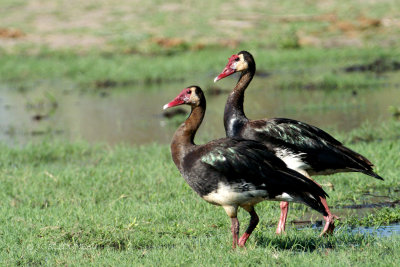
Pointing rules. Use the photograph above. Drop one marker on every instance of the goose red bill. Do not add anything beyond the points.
(229, 69)
(179, 100)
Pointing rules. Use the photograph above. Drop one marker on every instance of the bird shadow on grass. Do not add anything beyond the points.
(308, 243)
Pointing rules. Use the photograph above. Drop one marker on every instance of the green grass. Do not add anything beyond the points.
(74, 203)
(306, 68)
(71, 203)
(383, 216)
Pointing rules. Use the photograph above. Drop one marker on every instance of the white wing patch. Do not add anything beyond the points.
(285, 197)
(292, 160)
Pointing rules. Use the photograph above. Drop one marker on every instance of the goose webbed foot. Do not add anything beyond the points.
(329, 220)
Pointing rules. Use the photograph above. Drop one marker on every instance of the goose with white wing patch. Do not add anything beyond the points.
(303, 147)
(233, 172)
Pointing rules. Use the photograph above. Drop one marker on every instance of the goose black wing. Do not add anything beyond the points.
(317, 148)
(237, 161)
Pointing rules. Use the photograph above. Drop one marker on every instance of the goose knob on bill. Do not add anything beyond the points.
(232, 172)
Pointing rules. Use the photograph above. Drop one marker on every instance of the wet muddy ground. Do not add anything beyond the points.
(378, 231)
(369, 204)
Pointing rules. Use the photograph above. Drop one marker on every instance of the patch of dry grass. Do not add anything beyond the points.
(132, 25)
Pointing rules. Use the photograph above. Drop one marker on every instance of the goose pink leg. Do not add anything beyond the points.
(235, 231)
(329, 219)
(282, 220)
(252, 225)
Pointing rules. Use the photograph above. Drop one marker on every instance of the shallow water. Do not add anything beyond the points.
(378, 231)
(381, 231)
(133, 115)
(371, 204)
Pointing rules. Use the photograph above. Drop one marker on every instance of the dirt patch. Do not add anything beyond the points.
(67, 40)
(55, 24)
(330, 17)
(362, 23)
(88, 24)
(168, 42)
(11, 33)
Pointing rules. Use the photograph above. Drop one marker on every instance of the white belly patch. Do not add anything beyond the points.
(231, 194)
